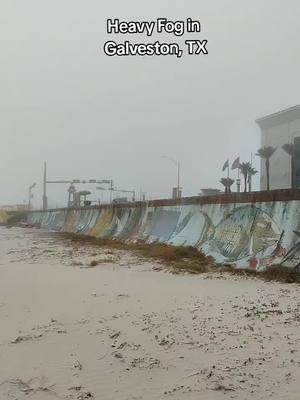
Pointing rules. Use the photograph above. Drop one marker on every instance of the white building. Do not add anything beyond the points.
(276, 130)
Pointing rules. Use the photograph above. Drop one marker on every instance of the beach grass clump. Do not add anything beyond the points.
(189, 259)
(280, 273)
(173, 253)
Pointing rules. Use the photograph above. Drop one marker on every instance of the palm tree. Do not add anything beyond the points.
(245, 168)
(252, 171)
(290, 148)
(227, 183)
(266, 153)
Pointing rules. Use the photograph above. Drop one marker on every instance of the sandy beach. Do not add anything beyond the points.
(128, 330)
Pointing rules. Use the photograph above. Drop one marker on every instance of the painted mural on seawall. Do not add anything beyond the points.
(248, 235)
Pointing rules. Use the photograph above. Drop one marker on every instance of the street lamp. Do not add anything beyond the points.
(111, 189)
(177, 163)
(30, 195)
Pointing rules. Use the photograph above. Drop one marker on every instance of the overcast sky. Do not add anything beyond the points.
(91, 116)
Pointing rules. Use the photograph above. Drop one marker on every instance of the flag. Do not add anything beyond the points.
(226, 165)
(236, 163)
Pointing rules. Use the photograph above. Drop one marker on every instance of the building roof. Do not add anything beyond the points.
(280, 117)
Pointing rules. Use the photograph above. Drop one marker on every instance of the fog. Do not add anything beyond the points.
(91, 116)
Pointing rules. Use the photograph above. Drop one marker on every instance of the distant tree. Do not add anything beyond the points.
(290, 148)
(227, 183)
(252, 171)
(245, 167)
(266, 153)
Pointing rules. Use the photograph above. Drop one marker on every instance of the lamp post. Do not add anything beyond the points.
(30, 195)
(45, 199)
(178, 165)
(111, 190)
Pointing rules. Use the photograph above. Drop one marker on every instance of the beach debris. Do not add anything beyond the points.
(115, 335)
(24, 338)
(78, 365)
(220, 387)
(80, 394)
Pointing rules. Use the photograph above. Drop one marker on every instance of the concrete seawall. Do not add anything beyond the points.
(247, 230)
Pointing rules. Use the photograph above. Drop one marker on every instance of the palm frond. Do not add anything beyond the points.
(227, 182)
(252, 171)
(290, 148)
(245, 167)
(266, 152)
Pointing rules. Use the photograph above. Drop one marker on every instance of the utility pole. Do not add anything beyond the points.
(30, 195)
(111, 190)
(177, 163)
(45, 200)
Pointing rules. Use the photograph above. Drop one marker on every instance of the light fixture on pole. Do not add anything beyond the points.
(112, 189)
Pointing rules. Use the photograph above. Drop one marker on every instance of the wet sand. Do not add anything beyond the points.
(127, 330)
